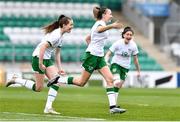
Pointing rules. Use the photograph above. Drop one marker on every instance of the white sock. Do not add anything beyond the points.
(116, 97)
(24, 82)
(63, 79)
(51, 97)
(117, 84)
(111, 96)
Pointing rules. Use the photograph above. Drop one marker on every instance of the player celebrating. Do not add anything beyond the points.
(42, 63)
(94, 57)
(120, 64)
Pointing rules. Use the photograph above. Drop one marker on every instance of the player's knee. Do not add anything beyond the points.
(82, 85)
(82, 82)
(117, 84)
(109, 81)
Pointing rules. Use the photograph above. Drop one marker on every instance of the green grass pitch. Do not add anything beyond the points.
(90, 103)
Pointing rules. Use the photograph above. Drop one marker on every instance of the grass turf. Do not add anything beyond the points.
(90, 103)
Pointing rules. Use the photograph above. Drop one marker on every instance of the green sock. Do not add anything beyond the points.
(34, 87)
(55, 87)
(116, 89)
(70, 80)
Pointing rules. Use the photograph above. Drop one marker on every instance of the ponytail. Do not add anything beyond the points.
(95, 11)
(49, 28)
(100, 13)
(61, 20)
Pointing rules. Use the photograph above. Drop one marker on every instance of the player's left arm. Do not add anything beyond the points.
(136, 62)
(107, 56)
(88, 39)
(115, 25)
(58, 61)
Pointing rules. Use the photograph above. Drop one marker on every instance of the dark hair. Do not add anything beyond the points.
(95, 11)
(59, 23)
(126, 29)
(101, 11)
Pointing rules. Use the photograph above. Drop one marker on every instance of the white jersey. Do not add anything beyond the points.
(96, 46)
(123, 52)
(54, 39)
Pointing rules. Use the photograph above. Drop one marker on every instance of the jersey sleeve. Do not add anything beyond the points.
(60, 45)
(100, 24)
(113, 47)
(53, 38)
(135, 50)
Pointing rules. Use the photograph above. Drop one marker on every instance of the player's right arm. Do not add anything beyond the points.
(41, 55)
(110, 51)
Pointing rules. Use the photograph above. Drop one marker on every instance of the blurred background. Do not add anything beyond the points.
(157, 33)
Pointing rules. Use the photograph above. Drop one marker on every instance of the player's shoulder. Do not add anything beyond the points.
(132, 42)
(100, 22)
(119, 42)
(56, 32)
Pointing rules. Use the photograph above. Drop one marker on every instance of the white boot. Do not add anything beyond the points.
(50, 111)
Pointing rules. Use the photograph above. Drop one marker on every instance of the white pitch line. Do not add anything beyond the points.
(139, 104)
(55, 117)
(143, 104)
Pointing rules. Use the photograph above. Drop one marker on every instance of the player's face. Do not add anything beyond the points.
(69, 26)
(108, 15)
(128, 36)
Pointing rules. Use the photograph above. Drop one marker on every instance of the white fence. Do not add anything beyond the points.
(148, 79)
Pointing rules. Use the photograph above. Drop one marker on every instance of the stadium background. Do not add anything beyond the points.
(156, 25)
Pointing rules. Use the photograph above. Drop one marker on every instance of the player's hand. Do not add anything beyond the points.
(42, 67)
(117, 25)
(61, 72)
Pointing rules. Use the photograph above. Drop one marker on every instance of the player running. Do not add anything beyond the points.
(42, 63)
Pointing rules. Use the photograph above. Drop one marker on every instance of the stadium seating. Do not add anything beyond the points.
(21, 23)
(170, 38)
(113, 4)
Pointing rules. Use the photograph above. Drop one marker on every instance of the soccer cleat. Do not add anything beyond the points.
(117, 110)
(12, 81)
(53, 81)
(50, 111)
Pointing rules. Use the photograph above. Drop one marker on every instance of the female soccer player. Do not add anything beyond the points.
(94, 58)
(42, 63)
(120, 64)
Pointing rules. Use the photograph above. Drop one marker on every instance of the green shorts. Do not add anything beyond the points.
(91, 62)
(117, 69)
(35, 64)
